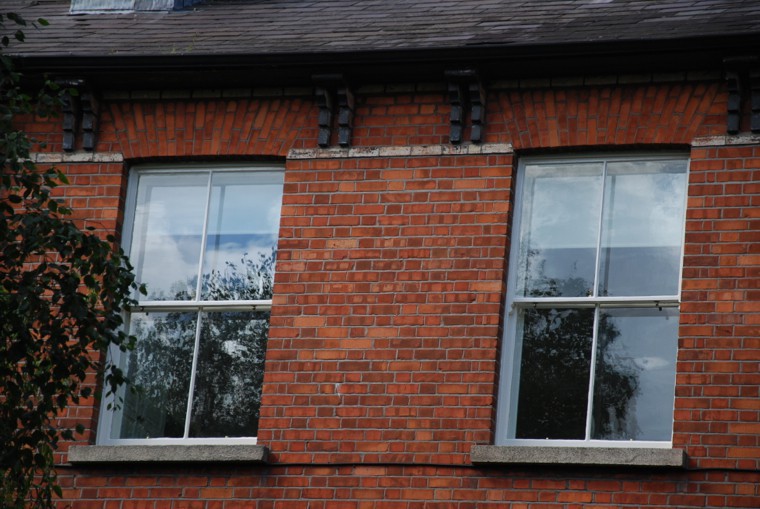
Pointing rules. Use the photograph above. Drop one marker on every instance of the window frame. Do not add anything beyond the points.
(511, 348)
(108, 411)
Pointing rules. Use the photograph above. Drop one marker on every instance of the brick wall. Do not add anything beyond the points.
(717, 391)
(382, 367)
(386, 317)
(406, 487)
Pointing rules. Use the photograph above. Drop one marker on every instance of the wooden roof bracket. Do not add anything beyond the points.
(743, 79)
(80, 112)
(70, 106)
(333, 93)
(754, 83)
(90, 115)
(468, 100)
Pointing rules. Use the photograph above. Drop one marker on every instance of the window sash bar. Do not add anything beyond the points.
(204, 234)
(592, 376)
(199, 314)
(590, 302)
(193, 371)
(599, 227)
(194, 305)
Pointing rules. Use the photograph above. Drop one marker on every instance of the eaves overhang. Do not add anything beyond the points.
(494, 62)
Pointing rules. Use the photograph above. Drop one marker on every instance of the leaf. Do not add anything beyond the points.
(62, 177)
(53, 315)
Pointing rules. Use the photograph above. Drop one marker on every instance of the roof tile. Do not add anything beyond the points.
(270, 27)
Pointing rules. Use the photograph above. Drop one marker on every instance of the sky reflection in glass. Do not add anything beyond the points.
(167, 240)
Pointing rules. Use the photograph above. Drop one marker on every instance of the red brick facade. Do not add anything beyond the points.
(383, 360)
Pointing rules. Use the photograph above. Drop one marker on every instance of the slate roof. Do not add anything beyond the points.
(278, 27)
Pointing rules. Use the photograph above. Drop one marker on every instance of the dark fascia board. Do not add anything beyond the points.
(494, 62)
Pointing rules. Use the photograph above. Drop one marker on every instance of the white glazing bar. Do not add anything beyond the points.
(664, 301)
(592, 376)
(611, 200)
(189, 411)
(199, 320)
(183, 305)
(201, 259)
(595, 289)
(219, 221)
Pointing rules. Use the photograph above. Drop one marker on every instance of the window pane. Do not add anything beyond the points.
(589, 229)
(229, 375)
(159, 369)
(642, 228)
(244, 220)
(221, 224)
(559, 230)
(635, 374)
(166, 239)
(554, 373)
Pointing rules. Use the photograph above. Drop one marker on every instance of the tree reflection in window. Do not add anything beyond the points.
(635, 357)
(555, 375)
(230, 363)
(597, 254)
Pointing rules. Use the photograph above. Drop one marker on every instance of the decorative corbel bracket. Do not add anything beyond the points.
(468, 99)
(477, 96)
(754, 81)
(70, 119)
(80, 109)
(456, 119)
(324, 121)
(743, 79)
(345, 115)
(332, 91)
(90, 114)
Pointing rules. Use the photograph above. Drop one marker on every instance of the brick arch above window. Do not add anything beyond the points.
(632, 115)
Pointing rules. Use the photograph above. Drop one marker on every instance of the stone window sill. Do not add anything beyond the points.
(593, 456)
(168, 454)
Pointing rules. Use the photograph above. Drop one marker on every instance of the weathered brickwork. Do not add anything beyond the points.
(385, 322)
(198, 128)
(718, 404)
(382, 365)
(408, 487)
(637, 116)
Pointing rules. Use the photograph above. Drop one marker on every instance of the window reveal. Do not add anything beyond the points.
(593, 298)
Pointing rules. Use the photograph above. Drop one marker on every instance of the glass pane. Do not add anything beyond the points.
(159, 369)
(559, 230)
(635, 374)
(554, 373)
(166, 239)
(244, 220)
(229, 375)
(642, 228)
